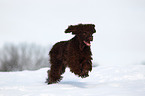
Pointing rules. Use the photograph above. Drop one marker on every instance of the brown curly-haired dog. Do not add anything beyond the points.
(74, 53)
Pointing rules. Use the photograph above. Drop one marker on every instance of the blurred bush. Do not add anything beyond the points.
(23, 57)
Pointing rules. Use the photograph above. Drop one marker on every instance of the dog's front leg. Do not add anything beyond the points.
(86, 66)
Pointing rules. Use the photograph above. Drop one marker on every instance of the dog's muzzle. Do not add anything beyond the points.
(90, 38)
(87, 42)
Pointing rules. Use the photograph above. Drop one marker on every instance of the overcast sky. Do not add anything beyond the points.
(120, 25)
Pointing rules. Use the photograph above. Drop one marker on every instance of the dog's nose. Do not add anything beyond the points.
(91, 38)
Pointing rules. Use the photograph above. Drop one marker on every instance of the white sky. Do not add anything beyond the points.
(120, 25)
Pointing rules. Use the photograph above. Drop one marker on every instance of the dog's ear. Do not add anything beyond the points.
(70, 29)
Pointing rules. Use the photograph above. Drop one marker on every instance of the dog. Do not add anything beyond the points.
(74, 53)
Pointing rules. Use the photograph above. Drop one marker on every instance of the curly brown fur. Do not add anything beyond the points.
(74, 53)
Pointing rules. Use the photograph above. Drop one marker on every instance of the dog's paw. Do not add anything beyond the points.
(84, 74)
(47, 81)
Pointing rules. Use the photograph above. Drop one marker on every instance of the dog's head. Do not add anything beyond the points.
(83, 31)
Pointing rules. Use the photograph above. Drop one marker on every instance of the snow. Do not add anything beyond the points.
(103, 81)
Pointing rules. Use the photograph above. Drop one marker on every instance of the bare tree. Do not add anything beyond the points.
(23, 57)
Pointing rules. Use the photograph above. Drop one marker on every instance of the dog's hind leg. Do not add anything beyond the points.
(55, 72)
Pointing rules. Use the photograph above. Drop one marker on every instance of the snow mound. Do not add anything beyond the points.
(103, 81)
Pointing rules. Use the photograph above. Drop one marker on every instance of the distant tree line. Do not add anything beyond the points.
(23, 57)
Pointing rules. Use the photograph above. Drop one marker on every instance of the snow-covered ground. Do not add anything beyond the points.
(103, 81)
